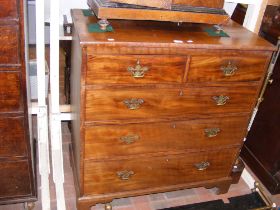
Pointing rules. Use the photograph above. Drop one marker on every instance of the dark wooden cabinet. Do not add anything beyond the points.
(160, 107)
(261, 151)
(17, 168)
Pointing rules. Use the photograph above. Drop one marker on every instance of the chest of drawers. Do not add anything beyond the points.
(17, 172)
(152, 114)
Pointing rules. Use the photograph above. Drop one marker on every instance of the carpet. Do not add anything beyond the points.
(244, 202)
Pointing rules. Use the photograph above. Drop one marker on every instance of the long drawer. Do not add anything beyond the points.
(9, 9)
(10, 92)
(142, 103)
(146, 172)
(131, 69)
(9, 47)
(110, 141)
(12, 137)
(226, 68)
(15, 179)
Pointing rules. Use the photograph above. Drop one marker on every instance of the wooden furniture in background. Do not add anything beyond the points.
(178, 13)
(160, 107)
(262, 148)
(17, 168)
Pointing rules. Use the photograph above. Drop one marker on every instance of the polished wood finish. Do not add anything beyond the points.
(9, 9)
(108, 141)
(261, 150)
(10, 91)
(15, 179)
(17, 172)
(114, 69)
(11, 140)
(181, 124)
(9, 48)
(208, 68)
(172, 170)
(108, 104)
(197, 15)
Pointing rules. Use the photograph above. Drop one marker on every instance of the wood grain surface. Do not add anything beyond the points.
(201, 3)
(209, 68)
(10, 92)
(108, 104)
(108, 141)
(8, 8)
(114, 69)
(9, 50)
(125, 13)
(150, 172)
(15, 180)
(12, 137)
(159, 140)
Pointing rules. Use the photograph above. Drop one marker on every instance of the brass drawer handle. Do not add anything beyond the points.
(202, 166)
(133, 103)
(220, 100)
(125, 175)
(212, 132)
(138, 71)
(129, 139)
(229, 70)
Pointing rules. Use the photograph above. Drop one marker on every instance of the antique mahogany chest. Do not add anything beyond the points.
(17, 179)
(160, 106)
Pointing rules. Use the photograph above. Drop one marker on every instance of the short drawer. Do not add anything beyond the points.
(109, 141)
(226, 68)
(9, 48)
(12, 137)
(141, 103)
(133, 69)
(9, 9)
(10, 92)
(149, 172)
(15, 179)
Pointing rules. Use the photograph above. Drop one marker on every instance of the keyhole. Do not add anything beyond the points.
(181, 93)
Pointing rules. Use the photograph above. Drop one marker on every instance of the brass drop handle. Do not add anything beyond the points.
(229, 69)
(129, 139)
(220, 100)
(202, 166)
(212, 132)
(133, 103)
(125, 175)
(138, 71)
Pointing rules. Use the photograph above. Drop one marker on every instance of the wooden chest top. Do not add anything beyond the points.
(167, 35)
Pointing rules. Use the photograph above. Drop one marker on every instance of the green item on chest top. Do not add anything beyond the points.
(95, 28)
(87, 12)
(215, 33)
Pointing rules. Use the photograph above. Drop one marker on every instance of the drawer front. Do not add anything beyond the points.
(10, 92)
(15, 179)
(12, 137)
(130, 104)
(226, 69)
(135, 69)
(9, 48)
(9, 9)
(112, 140)
(149, 172)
